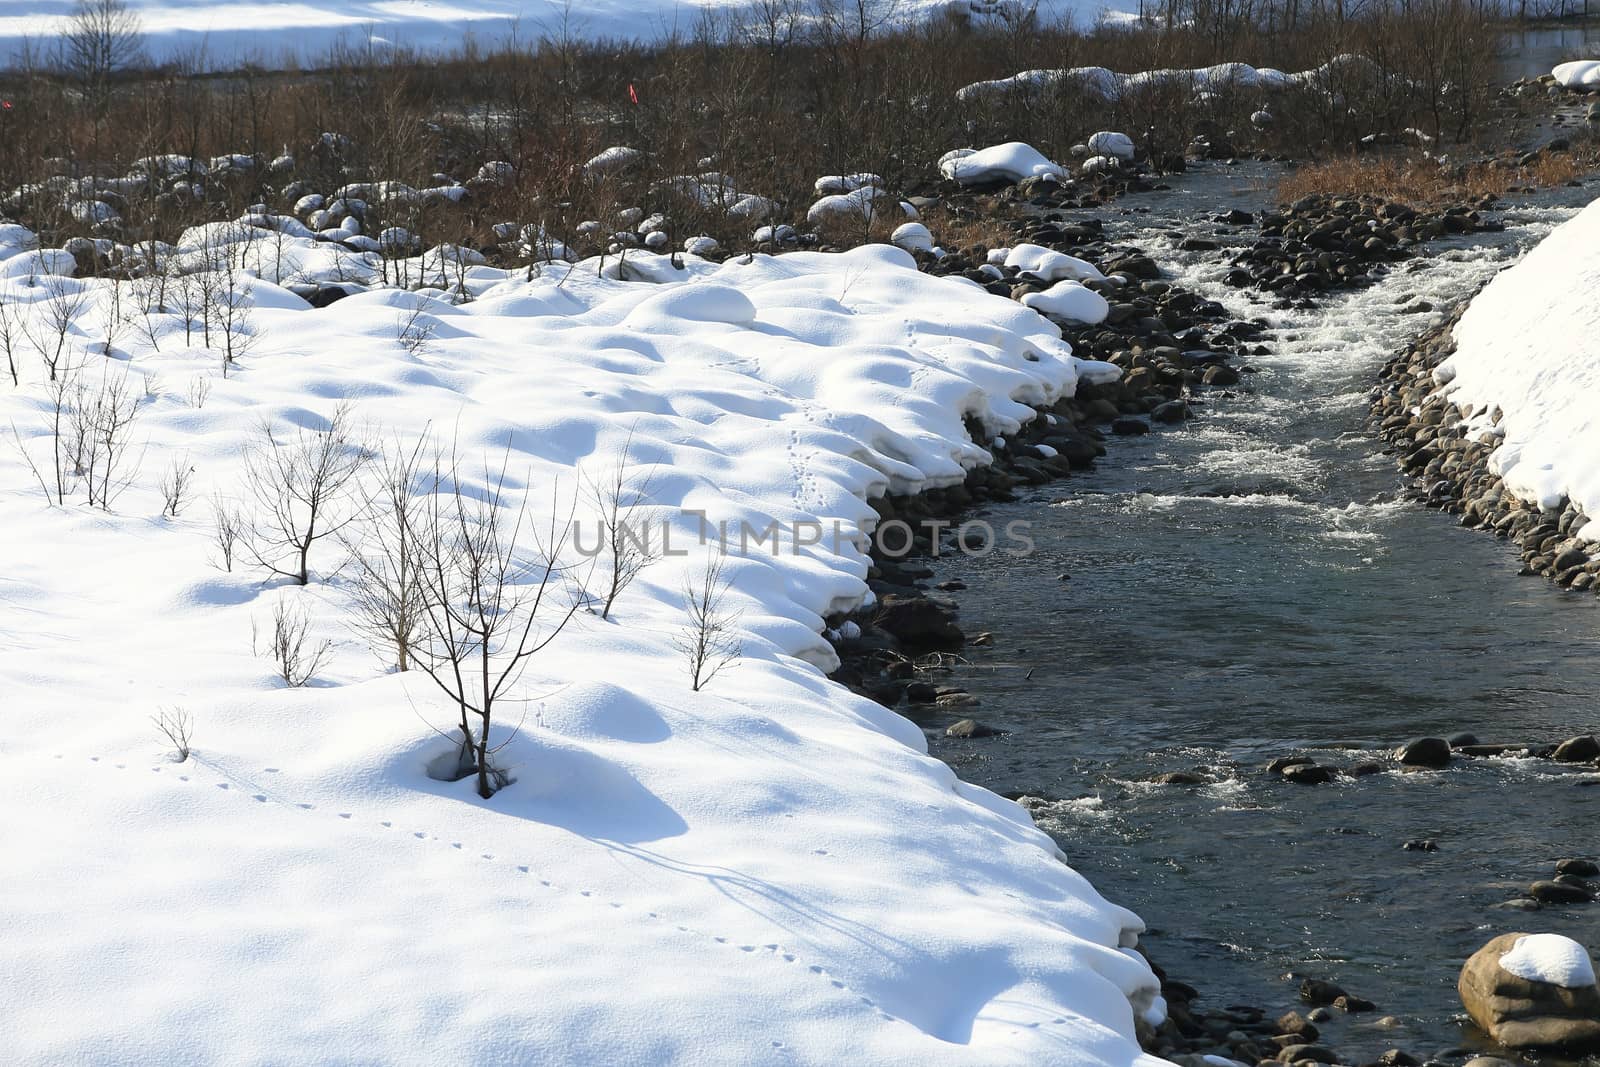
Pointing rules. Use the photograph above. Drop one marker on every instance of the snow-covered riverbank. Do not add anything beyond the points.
(771, 870)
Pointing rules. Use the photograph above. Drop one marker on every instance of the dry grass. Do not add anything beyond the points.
(1420, 181)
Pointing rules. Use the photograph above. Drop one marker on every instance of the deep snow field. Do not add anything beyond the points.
(771, 870)
(1527, 362)
(232, 30)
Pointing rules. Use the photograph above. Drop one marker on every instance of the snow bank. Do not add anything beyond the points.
(1525, 347)
(1550, 958)
(1580, 74)
(772, 870)
(1012, 162)
(274, 32)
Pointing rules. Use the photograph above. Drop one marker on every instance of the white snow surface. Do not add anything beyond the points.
(1070, 300)
(770, 871)
(1527, 347)
(278, 32)
(1550, 958)
(1582, 74)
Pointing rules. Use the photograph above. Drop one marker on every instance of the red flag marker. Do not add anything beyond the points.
(633, 94)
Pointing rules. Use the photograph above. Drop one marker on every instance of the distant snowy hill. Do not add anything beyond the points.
(272, 31)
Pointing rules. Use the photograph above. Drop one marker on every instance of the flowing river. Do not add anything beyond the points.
(1254, 584)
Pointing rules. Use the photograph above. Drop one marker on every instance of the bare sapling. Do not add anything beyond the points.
(385, 560)
(11, 340)
(50, 325)
(625, 539)
(175, 483)
(710, 641)
(101, 421)
(177, 726)
(295, 654)
(414, 328)
(227, 527)
(495, 594)
(301, 486)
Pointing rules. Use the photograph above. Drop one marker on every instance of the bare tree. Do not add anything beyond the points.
(49, 321)
(624, 539)
(387, 582)
(101, 422)
(10, 339)
(177, 726)
(490, 601)
(301, 488)
(291, 648)
(101, 38)
(710, 641)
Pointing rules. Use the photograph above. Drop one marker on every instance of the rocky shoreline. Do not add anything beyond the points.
(1450, 471)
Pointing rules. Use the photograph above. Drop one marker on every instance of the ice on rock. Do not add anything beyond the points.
(1550, 958)
(1012, 161)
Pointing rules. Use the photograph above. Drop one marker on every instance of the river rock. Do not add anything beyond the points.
(1316, 991)
(1277, 766)
(1533, 991)
(1553, 892)
(1307, 774)
(1581, 868)
(1178, 778)
(967, 729)
(1582, 749)
(1488, 1061)
(1295, 1023)
(1424, 752)
(1302, 1053)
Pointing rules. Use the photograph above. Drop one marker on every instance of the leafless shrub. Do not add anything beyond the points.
(300, 485)
(625, 540)
(199, 391)
(414, 328)
(101, 37)
(227, 527)
(10, 340)
(177, 726)
(387, 579)
(50, 323)
(294, 653)
(710, 641)
(175, 482)
(101, 420)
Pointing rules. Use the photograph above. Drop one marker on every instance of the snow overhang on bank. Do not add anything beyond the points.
(1527, 368)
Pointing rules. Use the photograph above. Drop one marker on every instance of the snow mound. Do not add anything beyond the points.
(1550, 958)
(764, 835)
(1580, 74)
(1107, 143)
(1012, 161)
(1070, 300)
(1525, 349)
(1050, 265)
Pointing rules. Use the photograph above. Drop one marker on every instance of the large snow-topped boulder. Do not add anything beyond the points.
(1050, 265)
(1533, 991)
(1009, 162)
(1070, 300)
(1580, 74)
(913, 237)
(1110, 143)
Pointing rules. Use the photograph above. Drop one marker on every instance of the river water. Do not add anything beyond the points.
(1253, 585)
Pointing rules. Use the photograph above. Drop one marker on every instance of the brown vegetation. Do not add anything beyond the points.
(1418, 180)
